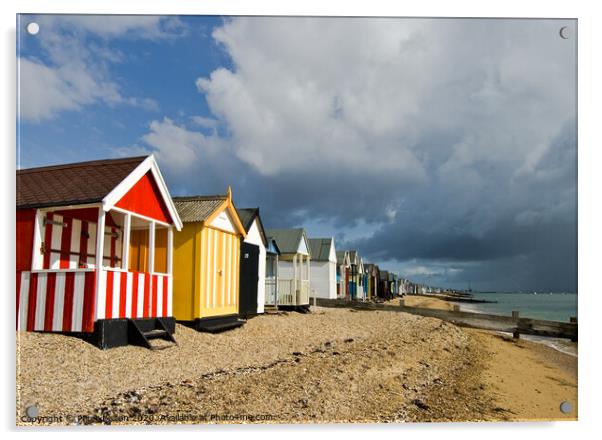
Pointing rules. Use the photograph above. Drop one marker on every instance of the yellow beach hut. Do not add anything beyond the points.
(206, 263)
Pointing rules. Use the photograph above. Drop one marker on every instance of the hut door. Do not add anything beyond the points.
(249, 276)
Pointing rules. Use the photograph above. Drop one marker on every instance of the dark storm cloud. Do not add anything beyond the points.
(452, 141)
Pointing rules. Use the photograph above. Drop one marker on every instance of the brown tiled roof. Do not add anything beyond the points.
(72, 184)
(197, 208)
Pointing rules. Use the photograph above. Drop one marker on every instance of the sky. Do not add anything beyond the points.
(442, 149)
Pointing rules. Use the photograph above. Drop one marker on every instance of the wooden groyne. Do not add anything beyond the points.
(511, 324)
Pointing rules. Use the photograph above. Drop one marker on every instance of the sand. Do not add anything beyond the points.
(423, 302)
(333, 365)
(528, 379)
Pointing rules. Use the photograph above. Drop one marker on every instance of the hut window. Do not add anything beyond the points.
(67, 239)
(160, 249)
(113, 239)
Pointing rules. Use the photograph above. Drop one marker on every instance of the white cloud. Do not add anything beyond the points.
(177, 148)
(366, 94)
(204, 122)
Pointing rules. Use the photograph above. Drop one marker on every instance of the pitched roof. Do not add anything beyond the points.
(198, 208)
(287, 239)
(353, 256)
(72, 184)
(341, 257)
(320, 248)
(272, 246)
(247, 216)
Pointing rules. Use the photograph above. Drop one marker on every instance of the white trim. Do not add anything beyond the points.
(169, 250)
(37, 259)
(114, 269)
(69, 207)
(126, 184)
(125, 254)
(151, 247)
(100, 281)
(62, 270)
(140, 216)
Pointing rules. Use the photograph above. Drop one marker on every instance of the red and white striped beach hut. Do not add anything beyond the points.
(94, 250)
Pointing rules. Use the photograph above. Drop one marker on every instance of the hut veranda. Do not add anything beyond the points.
(94, 250)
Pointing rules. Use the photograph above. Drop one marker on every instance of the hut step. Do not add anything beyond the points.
(156, 333)
(137, 336)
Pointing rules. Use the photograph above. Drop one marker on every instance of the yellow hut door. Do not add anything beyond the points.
(219, 265)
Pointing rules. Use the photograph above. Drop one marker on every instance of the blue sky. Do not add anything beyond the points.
(443, 149)
(162, 68)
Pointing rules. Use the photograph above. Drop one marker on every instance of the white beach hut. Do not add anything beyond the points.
(293, 267)
(323, 268)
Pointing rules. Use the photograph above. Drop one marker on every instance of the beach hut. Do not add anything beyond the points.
(371, 271)
(384, 287)
(323, 268)
(364, 280)
(343, 267)
(361, 274)
(252, 263)
(294, 270)
(207, 263)
(271, 274)
(94, 251)
(354, 275)
(393, 283)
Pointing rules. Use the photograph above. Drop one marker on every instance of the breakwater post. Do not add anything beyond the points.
(510, 324)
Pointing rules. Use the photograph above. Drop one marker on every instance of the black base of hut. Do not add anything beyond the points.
(214, 324)
(301, 309)
(111, 333)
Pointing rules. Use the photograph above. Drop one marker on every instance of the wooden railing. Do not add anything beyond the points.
(270, 292)
(293, 293)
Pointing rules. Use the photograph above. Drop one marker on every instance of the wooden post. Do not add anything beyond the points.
(515, 314)
(100, 280)
(573, 320)
(402, 302)
(516, 334)
(151, 246)
(456, 308)
(127, 225)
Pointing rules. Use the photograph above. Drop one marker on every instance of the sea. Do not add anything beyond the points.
(548, 306)
(537, 305)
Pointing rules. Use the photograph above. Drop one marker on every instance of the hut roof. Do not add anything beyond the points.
(72, 184)
(198, 208)
(247, 216)
(320, 248)
(288, 240)
(272, 246)
(341, 257)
